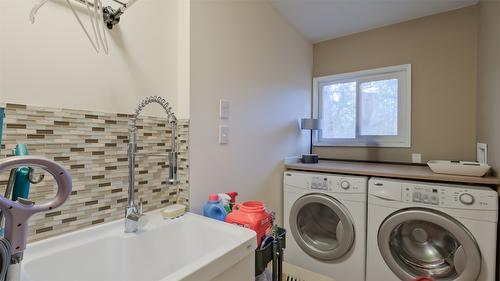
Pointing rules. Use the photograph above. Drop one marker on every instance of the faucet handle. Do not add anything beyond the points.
(135, 222)
(134, 218)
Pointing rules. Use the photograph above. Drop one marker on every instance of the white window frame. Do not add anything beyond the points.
(403, 139)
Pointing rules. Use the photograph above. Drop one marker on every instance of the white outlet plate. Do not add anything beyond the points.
(224, 107)
(416, 158)
(223, 134)
(482, 153)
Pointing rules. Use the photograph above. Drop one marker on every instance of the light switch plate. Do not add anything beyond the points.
(224, 107)
(416, 158)
(223, 134)
(482, 153)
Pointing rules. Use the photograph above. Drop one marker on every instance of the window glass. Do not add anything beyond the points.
(339, 110)
(379, 108)
(370, 108)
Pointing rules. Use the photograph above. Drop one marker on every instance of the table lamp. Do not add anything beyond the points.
(312, 125)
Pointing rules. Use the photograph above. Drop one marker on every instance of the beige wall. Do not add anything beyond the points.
(442, 51)
(488, 128)
(247, 53)
(51, 63)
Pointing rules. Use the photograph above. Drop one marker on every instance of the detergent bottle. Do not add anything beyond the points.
(214, 208)
(232, 202)
(224, 200)
(252, 215)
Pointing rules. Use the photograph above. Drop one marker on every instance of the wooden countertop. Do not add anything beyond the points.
(415, 172)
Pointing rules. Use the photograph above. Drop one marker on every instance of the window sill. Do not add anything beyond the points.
(364, 144)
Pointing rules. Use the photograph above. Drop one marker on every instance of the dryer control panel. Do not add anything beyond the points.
(421, 194)
(453, 196)
(450, 196)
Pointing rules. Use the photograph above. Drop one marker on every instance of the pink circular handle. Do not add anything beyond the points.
(18, 213)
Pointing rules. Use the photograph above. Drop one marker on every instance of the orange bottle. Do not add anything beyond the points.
(252, 215)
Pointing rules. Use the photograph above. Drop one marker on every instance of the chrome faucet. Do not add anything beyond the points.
(134, 219)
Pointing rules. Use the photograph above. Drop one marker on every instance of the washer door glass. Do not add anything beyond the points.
(322, 226)
(422, 242)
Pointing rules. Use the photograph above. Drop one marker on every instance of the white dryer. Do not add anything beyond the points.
(325, 215)
(447, 232)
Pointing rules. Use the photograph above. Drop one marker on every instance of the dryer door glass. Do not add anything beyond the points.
(422, 242)
(322, 226)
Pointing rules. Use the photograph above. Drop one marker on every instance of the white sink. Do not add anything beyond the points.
(187, 248)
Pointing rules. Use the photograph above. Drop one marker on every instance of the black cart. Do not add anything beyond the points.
(273, 252)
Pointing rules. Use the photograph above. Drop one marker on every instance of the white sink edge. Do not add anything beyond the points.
(224, 256)
(220, 257)
(237, 253)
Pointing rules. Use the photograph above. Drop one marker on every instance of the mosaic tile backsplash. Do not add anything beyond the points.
(93, 147)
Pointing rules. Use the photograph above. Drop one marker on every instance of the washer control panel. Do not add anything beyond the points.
(460, 197)
(319, 183)
(330, 183)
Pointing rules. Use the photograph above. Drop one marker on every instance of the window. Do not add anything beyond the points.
(366, 108)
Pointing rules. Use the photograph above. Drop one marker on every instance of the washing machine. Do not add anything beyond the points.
(444, 231)
(325, 215)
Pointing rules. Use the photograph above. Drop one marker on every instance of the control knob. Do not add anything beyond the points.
(466, 198)
(345, 185)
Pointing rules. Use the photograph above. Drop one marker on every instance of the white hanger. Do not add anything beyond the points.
(100, 20)
(96, 17)
(35, 9)
(96, 43)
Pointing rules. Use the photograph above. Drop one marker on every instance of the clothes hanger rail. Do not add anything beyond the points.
(111, 15)
(99, 16)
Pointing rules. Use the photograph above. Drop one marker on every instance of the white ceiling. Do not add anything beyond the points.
(321, 20)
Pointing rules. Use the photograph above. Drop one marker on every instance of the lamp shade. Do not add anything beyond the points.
(309, 124)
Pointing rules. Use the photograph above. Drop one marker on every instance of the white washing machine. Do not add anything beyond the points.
(325, 215)
(447, 232)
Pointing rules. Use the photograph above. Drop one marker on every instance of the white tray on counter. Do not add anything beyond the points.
(463, 168)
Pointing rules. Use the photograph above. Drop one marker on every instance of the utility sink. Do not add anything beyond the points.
(191, 247)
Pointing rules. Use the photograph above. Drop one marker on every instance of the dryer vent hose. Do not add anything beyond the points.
(4, 257)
